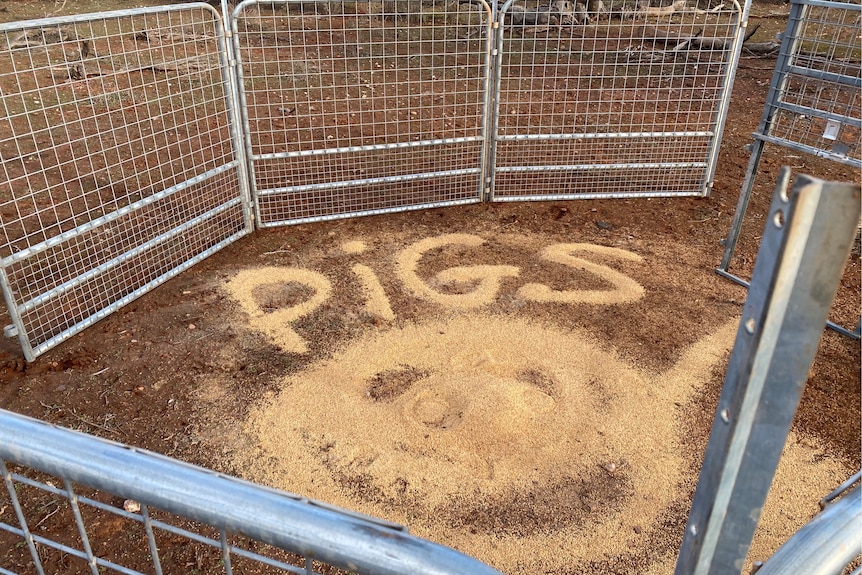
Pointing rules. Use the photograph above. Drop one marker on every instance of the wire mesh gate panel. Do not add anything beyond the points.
(118, 164)
(178, 518)
(814, 103)
(624, 101)
(362, 107)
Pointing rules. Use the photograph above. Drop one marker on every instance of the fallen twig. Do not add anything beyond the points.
(86, 421)
(44, 519)
(646, 10)
(782, 15)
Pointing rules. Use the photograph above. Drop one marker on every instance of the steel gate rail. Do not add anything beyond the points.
(163, 489)
(631, 105)
(356, 108)
(119, 168)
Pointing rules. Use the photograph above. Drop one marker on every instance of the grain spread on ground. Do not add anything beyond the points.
(262, 294)
(508, 438)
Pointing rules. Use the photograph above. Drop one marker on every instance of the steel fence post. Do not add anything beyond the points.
(805, 244)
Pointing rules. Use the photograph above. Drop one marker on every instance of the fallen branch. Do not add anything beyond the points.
(761, 49)
(687, 42)
(44, 519)
(94, 68)
(697, 42)
(678, 7)
(645, 9)
(750, 34)
(781, 15)
(42, 37)
(162, 36)
(700, 11)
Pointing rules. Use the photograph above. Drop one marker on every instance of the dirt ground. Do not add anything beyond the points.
(188, 371)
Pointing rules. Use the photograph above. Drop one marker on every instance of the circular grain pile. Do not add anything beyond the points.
(468, 428)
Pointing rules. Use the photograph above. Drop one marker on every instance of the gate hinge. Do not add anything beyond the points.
(10, 331)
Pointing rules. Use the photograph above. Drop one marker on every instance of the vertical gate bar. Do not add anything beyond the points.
(18, 324)
(7, 478)
(229, 65)
(806, 241)
(776, 87)
(151, 539)
(245, 127)
(491, 97)
(227, 16)
(742, 204)
(499, 33)
(726, 90)
(82, 531)
(225, 552)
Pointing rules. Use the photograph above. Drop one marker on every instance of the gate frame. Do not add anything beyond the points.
(242, 103)
(17, 328)
(712, 155)
(315, 530)
(783, 67)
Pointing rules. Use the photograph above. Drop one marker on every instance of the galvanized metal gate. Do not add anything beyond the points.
(120, 165)
(227, 525)
(355, 108)
(366, 107)
(136, 143)
(630, 105)
(814, 103)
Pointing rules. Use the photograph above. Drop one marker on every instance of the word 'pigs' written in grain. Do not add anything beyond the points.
(484, 283)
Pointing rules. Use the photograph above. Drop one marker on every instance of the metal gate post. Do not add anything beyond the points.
(741, 207)
(776, 86)
(492, 100)
(727, 89)
(805, 244)
(17, 327)
(494, 108)
(242, 112)
(227, 51)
